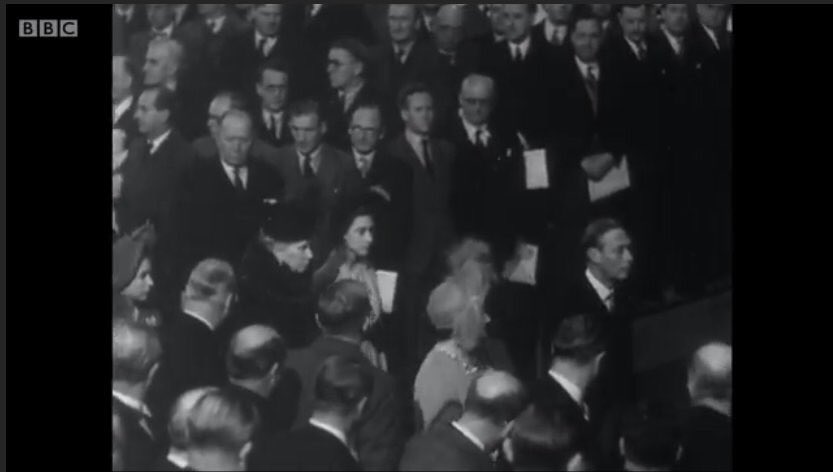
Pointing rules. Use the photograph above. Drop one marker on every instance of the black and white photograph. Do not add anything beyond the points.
(421, 237)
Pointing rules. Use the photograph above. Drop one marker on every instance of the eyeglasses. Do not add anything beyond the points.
(359, 129)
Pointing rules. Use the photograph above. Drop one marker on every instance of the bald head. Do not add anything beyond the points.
(177, 426)
(477, 98)
(710, 373)
(255, 352)
(495, 396)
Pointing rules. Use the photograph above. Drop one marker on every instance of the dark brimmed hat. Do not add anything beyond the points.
(289, 222)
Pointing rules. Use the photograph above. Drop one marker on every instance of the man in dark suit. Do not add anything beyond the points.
(650, 438)
(184, 13)
(225, 200)
(255, 365)
(578, 348)
(152, 173)
(136, 355)
(192, 354)
(347, 67)
(177, 457)
(313, 171)
(124, 100)
(542, 440)
(161, 18)
(554, 28)
(493, 402)
(342, 387)
(707, 428)
(271, 121)
(390, 180)
(343, 309)
(405, 58)
(431, 161)
(523, 67)
(128, 19)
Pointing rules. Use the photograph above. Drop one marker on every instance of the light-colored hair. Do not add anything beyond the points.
(178, 425)
(471, 266)
(221, 419)
(136, 350)
(209, 278)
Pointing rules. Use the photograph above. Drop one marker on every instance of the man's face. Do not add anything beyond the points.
(498, 18)
(402, 22)
(359, 237)
(149, 119)
(157, 67)
(518, 21)
(216, 110)
(366, 129)
(267, 19)
(121, 79)
(587, 39)
(675, 18)
(477, 101)
(602, 10)
(273, 90)
(559, 13)
(296, 256)
(307, 131)
(614, 256)
(235, 140)
(634, 22)
(419, 115)
(713, 15)
(139, 288)
(342, 68)
(448, 31)
(160, 15)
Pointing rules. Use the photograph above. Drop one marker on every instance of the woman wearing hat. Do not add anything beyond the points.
(465, 350)
(275, 276)
(132, 280)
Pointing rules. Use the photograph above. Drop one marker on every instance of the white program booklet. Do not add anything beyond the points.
(387, 288)
(618, 178)
(537, 175)
(525, 265)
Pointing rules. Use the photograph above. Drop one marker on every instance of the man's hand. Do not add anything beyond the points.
(596, 166)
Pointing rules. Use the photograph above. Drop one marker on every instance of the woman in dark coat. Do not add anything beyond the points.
(276, 277)
(132, 280)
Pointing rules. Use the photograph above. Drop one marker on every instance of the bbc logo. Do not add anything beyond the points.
(48, 28)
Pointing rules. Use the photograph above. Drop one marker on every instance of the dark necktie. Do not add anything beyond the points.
(480, 139)
(342, 101)
(273, 127)
(307, 169)
(681, 50)
(238, 181)
(400, 55)
(262, 47)
(593, 87)
(641, 53)
(426, 156)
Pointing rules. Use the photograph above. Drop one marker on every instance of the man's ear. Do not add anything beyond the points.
(323, 127)
(594, 254)
(403, 114)
(318, 322)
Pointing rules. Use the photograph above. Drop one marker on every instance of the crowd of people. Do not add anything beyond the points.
(415, 237)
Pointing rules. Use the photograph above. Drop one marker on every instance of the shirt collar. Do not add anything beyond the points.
(551, 28)
(156, 143)
(468, 434)
(572, 389)
(523, 46)
(169, 30)
(335, 432)
(583, 66)
(407, 48)
(367, 157)
(179, 459)
(132, 403)
(634, 46)
(128, 12)
(601, 289)
(315, 158)
(675, 41)
(219, 21)
(269, 41)
(472, 130)
(122, 107)
(415, 141)
(713, 35)
(191, 313)
(350, 95)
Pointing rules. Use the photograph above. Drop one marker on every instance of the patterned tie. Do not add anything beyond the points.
(426, 157)
(238, 181)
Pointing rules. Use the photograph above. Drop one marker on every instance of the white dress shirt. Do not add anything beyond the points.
(550, 29)
(216, 24)
(415, 141)
(179, 10)
(349, 96)
(126, 13)
(133, 404)
(572, 390)
(713, 36)
(316, 7)
(635, 47)
(178, 459)
(584, 67)
(270, 42)
(407, 50)
(122, 108)
(165, 32)
(335, 432)
(267, 120)
(468, 434)
(190, 313)
(605, 294)
(523, 47)
(158, 141)
(471, 131)
(675, 42)
(315, 160)
(364, 161)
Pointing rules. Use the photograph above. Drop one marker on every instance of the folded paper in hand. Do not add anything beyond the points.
(618, 178)
(387, 288)
(537, 175)
(525, 265)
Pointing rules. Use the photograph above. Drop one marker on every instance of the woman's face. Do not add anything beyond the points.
(359, 237)
(139, 288)
(296, 256)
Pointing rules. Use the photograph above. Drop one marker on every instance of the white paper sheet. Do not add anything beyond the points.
(618, 178)
(526, 265)
(387, 288)
(537, 175)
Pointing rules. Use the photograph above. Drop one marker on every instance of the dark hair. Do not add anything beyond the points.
(136, 350)
(343, 306)
(501, 408)
(306, 107)
(544, 440)
(224, 418)
(257, 361)
(651, 435)
(355, 47)
(582, 12)
(275, 64)
(340, 385)
(367, 104)
(579, 338)
(165, 98)
(238, 101)
(410, 89)
(618, 9)
(346, 211)
(596, 230)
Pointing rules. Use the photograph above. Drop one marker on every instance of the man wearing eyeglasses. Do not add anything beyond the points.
(389, 179)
